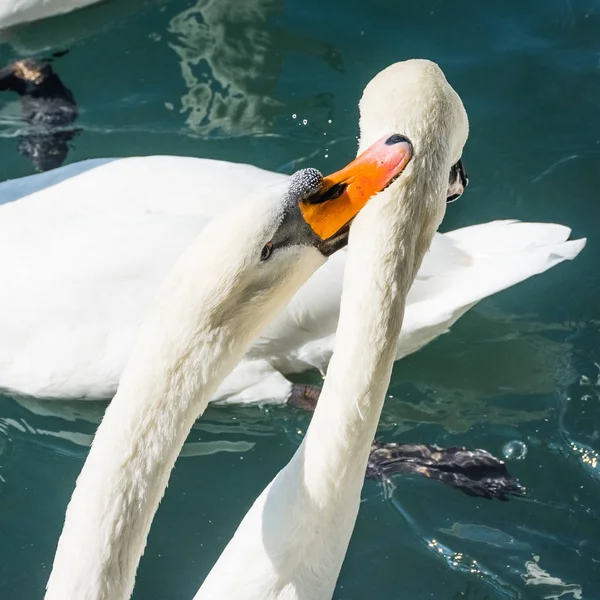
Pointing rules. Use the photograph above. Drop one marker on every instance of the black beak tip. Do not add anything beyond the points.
(396, 138)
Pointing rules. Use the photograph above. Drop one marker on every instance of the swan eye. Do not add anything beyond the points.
(266, 251)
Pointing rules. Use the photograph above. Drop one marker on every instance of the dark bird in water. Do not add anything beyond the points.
(48, 108)
(474, 472)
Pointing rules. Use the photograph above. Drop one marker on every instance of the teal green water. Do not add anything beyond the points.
(276, 83)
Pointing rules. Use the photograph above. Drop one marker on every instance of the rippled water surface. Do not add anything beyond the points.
(276, 83)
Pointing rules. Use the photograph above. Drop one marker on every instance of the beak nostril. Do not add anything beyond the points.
(335, 191)
(396, 138)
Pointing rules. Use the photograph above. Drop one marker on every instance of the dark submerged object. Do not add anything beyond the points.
(473, 472)
(48, 107)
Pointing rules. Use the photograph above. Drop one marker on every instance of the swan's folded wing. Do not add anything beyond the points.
(303, 336)
(77, 288)
(83, 250)
(467, 265)
(173, 185)
(462, 267)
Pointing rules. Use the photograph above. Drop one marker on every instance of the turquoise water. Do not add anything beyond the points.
(276, 83)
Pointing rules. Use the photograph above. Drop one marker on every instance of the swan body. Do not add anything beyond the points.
(86, 247)
(14, 12)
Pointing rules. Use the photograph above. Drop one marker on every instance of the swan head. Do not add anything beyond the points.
(250, 260)
(414, 98)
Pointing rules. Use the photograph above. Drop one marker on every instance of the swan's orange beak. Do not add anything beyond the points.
(344, 193)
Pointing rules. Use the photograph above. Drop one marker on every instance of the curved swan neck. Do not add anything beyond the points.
(195, 335)
(387, 245)
(122, 483)
(297, 532)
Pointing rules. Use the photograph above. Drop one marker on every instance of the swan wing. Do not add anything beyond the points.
(136, 185)
(83, 249)
(13, 12)
(462, 267)
(469, 264)
(76, 289)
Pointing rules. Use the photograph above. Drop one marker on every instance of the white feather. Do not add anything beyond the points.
(84, 248)
(13, 12)
(292, 542)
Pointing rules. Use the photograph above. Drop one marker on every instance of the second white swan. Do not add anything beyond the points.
(292, 543)
(84, 248)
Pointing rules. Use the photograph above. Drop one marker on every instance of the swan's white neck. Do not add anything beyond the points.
(381, 267)
(198, 331)
(297, 532)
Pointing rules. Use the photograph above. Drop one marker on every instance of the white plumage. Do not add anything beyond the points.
(84, 248)
(292, 542)
(14, 12)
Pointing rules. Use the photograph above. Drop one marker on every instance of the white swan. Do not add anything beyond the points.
(85, 247)
(242, 268)
(14, 12)
(292, 542)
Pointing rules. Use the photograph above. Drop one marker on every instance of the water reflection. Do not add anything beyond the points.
(479, 372)
(456, 560)
(579, 402)
(5, 450)
(552, 587)
(231, 57)
(66, 428)
(48, 110)
(485, 535)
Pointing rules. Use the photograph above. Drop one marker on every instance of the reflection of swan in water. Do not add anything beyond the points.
(230, 66)
(75, 443)
(506, 356)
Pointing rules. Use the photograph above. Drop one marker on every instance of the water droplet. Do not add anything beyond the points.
(294, 116)
(515, 450)
(304, 122)
(329, 120)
